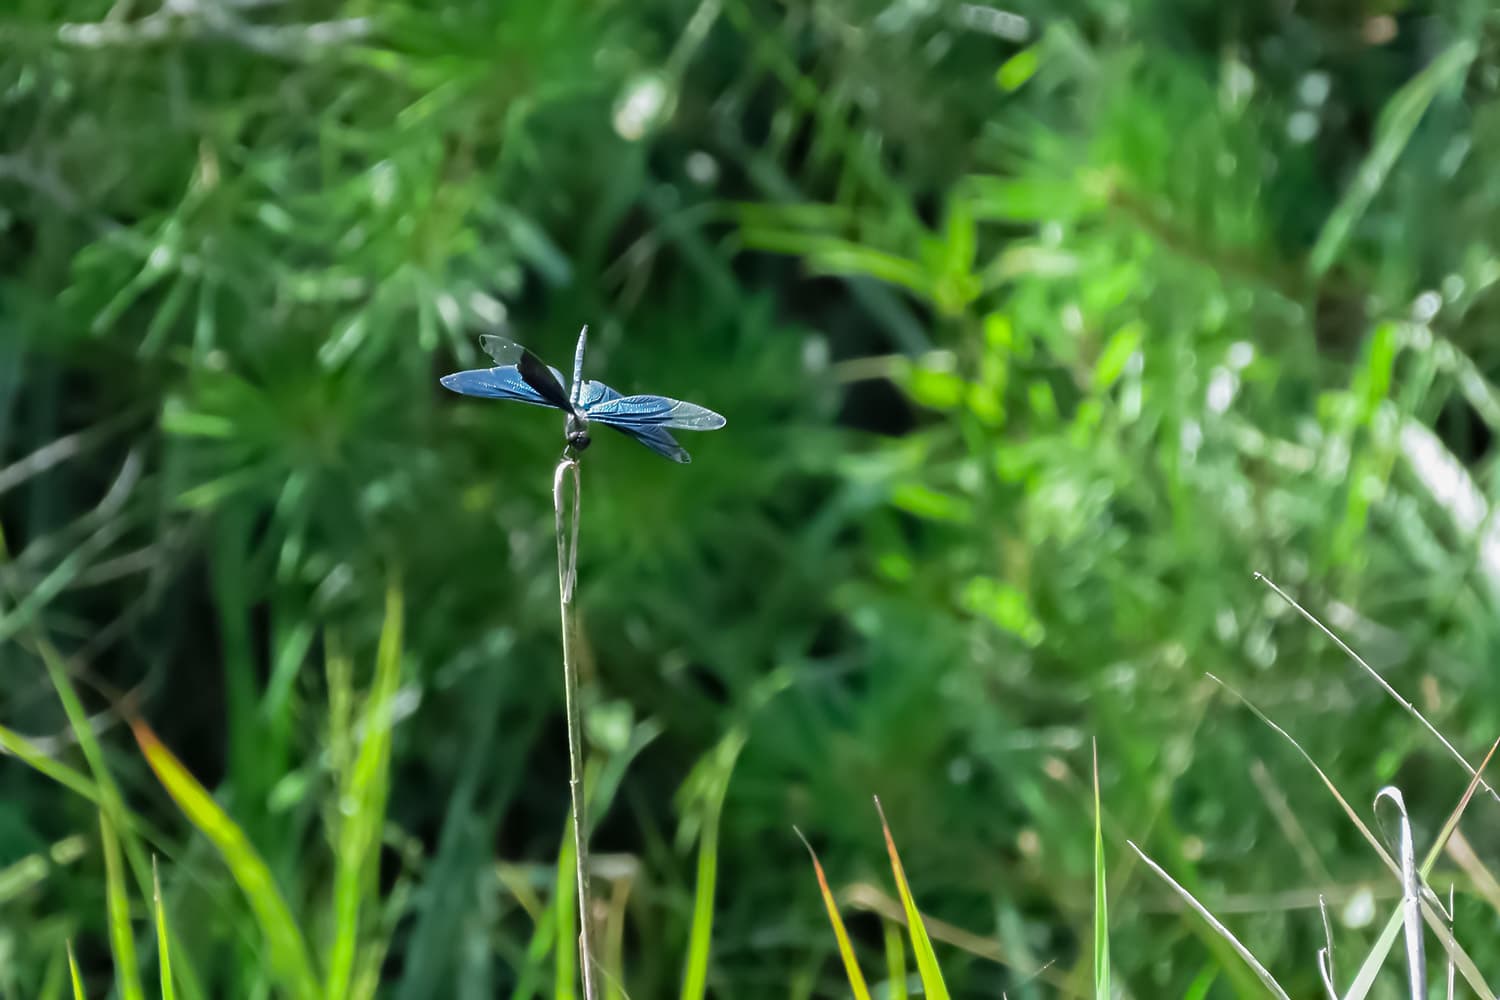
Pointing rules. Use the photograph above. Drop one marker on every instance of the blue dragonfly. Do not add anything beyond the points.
(521, 376)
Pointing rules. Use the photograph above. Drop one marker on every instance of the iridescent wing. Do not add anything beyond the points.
(545, 382)
(495, 383)
(652, 411)
(657, 439)
(594, 393)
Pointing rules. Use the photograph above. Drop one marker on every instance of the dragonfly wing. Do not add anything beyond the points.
(657, 439)
(654, 411)
(495, 383)
(547, 381)
(594, 393)
(504, 350)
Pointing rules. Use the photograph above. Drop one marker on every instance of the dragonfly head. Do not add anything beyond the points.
(578, 431)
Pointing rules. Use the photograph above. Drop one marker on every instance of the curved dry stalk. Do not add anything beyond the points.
(1261, 972)
(568, 518)
(1385, 684)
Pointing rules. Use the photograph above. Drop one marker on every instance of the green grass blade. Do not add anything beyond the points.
(1398, 120)
(163, 939)
(529, 976)
(705, 789)
(107, 792)
(895, 961)
(700, 937)
(1101, 898)
(846, 949)
(121, 937)
(921, 945)
(110, 799)
(78, 993)
(362, 803)
(34, 757)
(1374, 961)
(565, 918)
(287, 950)
(102, 791)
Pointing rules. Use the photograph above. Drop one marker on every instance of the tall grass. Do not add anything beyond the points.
(1074, 310)
(1418, 901)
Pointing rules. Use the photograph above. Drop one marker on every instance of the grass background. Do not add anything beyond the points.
(1037, 329)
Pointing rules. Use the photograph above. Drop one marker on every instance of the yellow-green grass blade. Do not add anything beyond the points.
(163, 938)
(117, 903)
(700, 936)
(1374, 961)
(37, 759)
(565, 983)
(542, 941)
(111, 802)
(106, 792)
(362, 803)
(33, 756)
(921, 945)
(78, 993)
(709, 784)
(1101, 898)
(895, 961)
(286, 948)
(846, 949)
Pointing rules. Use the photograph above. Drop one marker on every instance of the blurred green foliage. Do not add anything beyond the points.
(1038, 330)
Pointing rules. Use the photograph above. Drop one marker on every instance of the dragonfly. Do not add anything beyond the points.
(523, 377)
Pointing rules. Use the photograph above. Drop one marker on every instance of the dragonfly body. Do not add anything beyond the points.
(521, 376)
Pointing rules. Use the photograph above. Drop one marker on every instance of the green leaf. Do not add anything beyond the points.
(286, 950)
(926, 502)
(960, 239)
(1023, 199)
(936, 389)
(1004, 605)
(1372, 382)
(1019, 68)
(1116, 355)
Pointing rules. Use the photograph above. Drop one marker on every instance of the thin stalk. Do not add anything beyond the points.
(567, 566)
